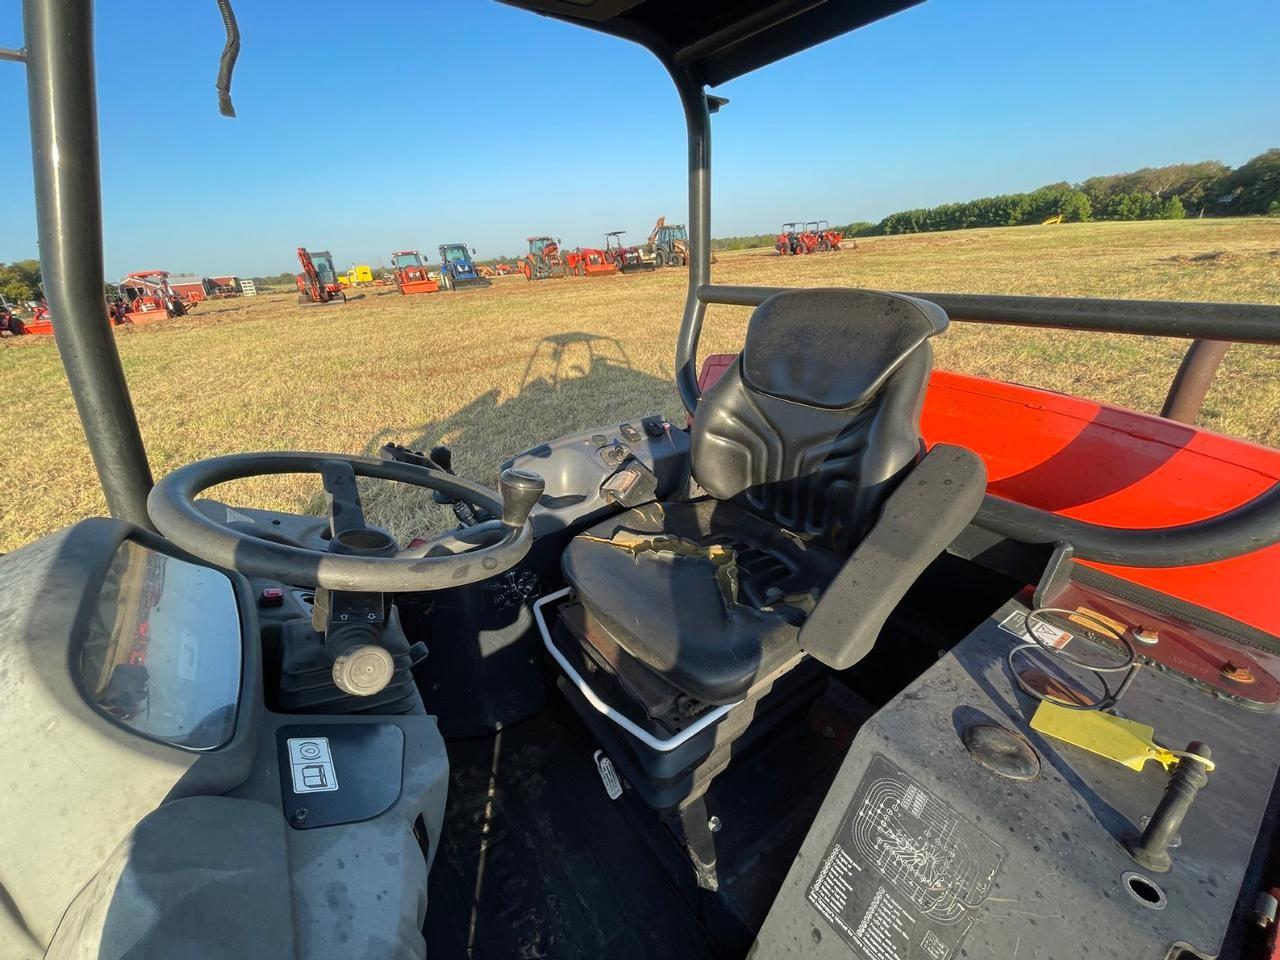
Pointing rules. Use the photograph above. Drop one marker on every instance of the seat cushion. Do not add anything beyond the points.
(703, 593)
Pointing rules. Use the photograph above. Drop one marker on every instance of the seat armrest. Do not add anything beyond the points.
(929, 509)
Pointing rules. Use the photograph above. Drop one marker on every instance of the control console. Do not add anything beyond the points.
(595, 472)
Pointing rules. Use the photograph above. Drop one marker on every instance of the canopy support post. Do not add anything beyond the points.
(64, 149)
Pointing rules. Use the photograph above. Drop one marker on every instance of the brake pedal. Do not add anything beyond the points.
(608, 775)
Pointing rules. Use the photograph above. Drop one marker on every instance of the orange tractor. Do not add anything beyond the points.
(828, 239)
(147, 296)
(318, 282)
(411, 273)
(590, 262)
(796, 238)
(543, 259)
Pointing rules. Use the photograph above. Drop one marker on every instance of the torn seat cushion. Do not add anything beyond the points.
(704, 593)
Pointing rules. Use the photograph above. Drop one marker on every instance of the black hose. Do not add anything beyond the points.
(228, 62)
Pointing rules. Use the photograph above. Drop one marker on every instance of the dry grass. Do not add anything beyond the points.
(494, 371)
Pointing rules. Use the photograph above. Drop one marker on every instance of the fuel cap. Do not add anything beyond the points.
(364, 670)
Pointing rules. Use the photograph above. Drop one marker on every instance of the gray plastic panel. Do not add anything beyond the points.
(575, 466)
(961, 859)
(77, 781)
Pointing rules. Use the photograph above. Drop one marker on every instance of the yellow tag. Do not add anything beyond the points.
(1124, 741)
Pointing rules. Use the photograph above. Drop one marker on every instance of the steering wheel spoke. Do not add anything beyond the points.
(342, 497)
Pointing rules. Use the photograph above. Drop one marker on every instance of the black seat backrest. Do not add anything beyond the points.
(820, 417)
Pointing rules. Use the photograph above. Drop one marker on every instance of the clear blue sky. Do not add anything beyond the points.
(367, 128)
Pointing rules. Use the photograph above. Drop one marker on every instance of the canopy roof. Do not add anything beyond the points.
(717, 40)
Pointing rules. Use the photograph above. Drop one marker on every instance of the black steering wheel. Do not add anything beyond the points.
(360, 558)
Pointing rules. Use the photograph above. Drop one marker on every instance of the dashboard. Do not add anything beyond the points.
(152, 792)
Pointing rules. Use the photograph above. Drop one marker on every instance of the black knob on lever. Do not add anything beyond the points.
(443, 457)
(520, 490)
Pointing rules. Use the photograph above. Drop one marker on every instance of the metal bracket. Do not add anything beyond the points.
(1056, 576)
(17, 56)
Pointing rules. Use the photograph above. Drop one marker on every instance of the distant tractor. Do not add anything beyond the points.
(628, 259)
(589, 262)
(786, 242)
(412, 275)
(147, 296)
(318, 282)
(458, 267)
(543, 259)
(358, 276)
(828, 239)
(797, 237)
(668, 244)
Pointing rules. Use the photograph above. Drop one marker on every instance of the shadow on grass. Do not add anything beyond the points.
(571, 382)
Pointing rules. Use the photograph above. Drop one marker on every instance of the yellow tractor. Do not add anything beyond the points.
(357, 276)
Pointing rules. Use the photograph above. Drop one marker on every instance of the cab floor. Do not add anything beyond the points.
(536, 862)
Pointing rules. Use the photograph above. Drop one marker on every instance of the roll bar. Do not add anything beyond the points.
(1250, 526)
(697, 115)
(64, 153)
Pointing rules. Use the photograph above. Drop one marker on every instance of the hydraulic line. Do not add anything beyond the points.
(228, 62)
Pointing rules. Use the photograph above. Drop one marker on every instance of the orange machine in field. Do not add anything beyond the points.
(318, 282)
(828, 239)
(589, 262)
(411, 273)
(543, 259)
(147, 296)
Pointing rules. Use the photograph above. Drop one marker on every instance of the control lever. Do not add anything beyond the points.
(443, 456)
(521, 490)
(440, 458)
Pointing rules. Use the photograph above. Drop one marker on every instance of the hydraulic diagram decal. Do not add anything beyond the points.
(902, 876)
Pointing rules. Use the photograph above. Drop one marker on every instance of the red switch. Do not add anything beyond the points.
(271, 597)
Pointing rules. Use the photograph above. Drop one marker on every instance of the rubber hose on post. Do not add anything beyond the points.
(228, 62)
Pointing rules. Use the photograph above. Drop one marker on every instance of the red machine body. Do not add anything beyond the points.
(148, 297)
(40, 324)
(627, 258)
(1112, 466)
(828, 239)
(796, 238)
(543, 259)
(411, 273)
(590, 262)
(318, 282)
(806, 240)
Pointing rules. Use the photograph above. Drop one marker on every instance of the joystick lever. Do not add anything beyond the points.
(520, 490)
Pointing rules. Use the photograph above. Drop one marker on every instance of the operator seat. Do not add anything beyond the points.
(813, 508)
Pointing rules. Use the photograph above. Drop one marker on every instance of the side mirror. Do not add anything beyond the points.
(473, 251)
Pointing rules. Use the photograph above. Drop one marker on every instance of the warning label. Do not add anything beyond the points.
(905, 871)
(1046, 634)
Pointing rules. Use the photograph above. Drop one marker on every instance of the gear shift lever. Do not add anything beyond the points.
(520, 490)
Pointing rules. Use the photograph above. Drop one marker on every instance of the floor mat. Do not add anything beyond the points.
(536, 862)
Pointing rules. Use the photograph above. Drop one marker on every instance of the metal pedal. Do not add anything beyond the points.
(608, 775)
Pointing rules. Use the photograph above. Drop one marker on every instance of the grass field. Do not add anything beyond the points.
(492, 372)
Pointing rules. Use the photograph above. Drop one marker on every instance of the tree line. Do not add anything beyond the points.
(1205, 189)
(20, 281)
